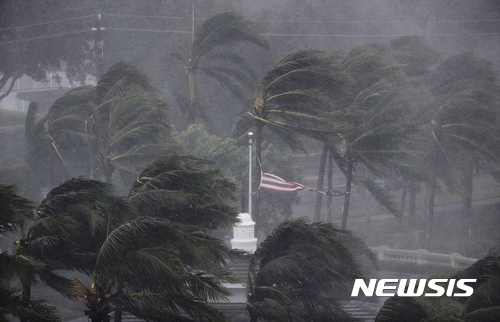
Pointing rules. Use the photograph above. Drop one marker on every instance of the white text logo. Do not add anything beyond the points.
(405, 287)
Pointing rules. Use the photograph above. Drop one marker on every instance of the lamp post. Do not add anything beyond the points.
(250, 142)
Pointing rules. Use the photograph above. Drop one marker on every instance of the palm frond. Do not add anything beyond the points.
(222, 29)
(14, 209)
(13, 304)
(301, 267)
(237, 82)
(382, 196)
(117, 77)
(489, 314)
(203, 195)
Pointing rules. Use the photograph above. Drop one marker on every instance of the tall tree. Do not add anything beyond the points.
(301, 270)
(121, 123)
(15, 211)
(209, 52)
(293, 98)
(122, 243)
(375, 114)
(461, 122)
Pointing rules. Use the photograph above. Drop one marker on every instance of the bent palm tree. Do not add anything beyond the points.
(294, 97)
(168, 269)
(208, 52)
(153, 247)
(121, 123)
(14, 211)
(482, 305)
(299, 272)
(375, 114)
(178, 189)
(462, 124)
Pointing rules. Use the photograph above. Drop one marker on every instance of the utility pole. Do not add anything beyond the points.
(98, 47)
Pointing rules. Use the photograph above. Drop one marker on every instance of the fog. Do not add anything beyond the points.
(55, 50)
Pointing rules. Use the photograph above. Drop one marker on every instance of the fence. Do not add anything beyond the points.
(422, 256)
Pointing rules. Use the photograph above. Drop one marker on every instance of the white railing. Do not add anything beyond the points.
(422, 256)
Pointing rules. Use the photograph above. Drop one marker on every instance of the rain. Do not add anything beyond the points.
(249, 161)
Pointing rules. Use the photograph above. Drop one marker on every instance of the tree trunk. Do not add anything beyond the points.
(321, 178)
(26, 286)
(118, 316)
(403, 203)
(430, 214)
(330, 186)
(412, 191)
(191, 113)
(347, 197)
(190, 71)
(467, 190)
(118, 313)
(403, 198)
(431, 195)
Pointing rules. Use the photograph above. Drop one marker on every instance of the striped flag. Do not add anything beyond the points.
(274, 183)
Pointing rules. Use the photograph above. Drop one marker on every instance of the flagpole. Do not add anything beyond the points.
(250, 141)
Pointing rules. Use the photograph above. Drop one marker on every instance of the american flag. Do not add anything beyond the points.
(274, 183)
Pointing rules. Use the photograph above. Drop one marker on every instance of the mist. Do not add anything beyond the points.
(431, 205)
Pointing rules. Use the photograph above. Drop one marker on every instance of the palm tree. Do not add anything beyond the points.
(14, 209)
(152, 247)
(293, 97)
(12, 304)
(168, 270)
(301, 270)
(14, 212)
(416, 59)
(209, 53)
(482, 305)
(375, 114)
(129, 123)
(177, 188)
(77, 210)
(461, 122)
(121, 123)
(70, 224)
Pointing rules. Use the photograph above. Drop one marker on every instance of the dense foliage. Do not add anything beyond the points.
(482, 305)
(155, 246)
(301, 270)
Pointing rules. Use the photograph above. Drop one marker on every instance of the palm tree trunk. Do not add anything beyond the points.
(412, 191)
(467, 190)
(347, 197)
(191, 76)
(431, 195)
(329, 177)
(403, 202)
(26, 287)
(118, 316)
(191, 113)
(321, 178)
(430, 214)
(403, 198)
